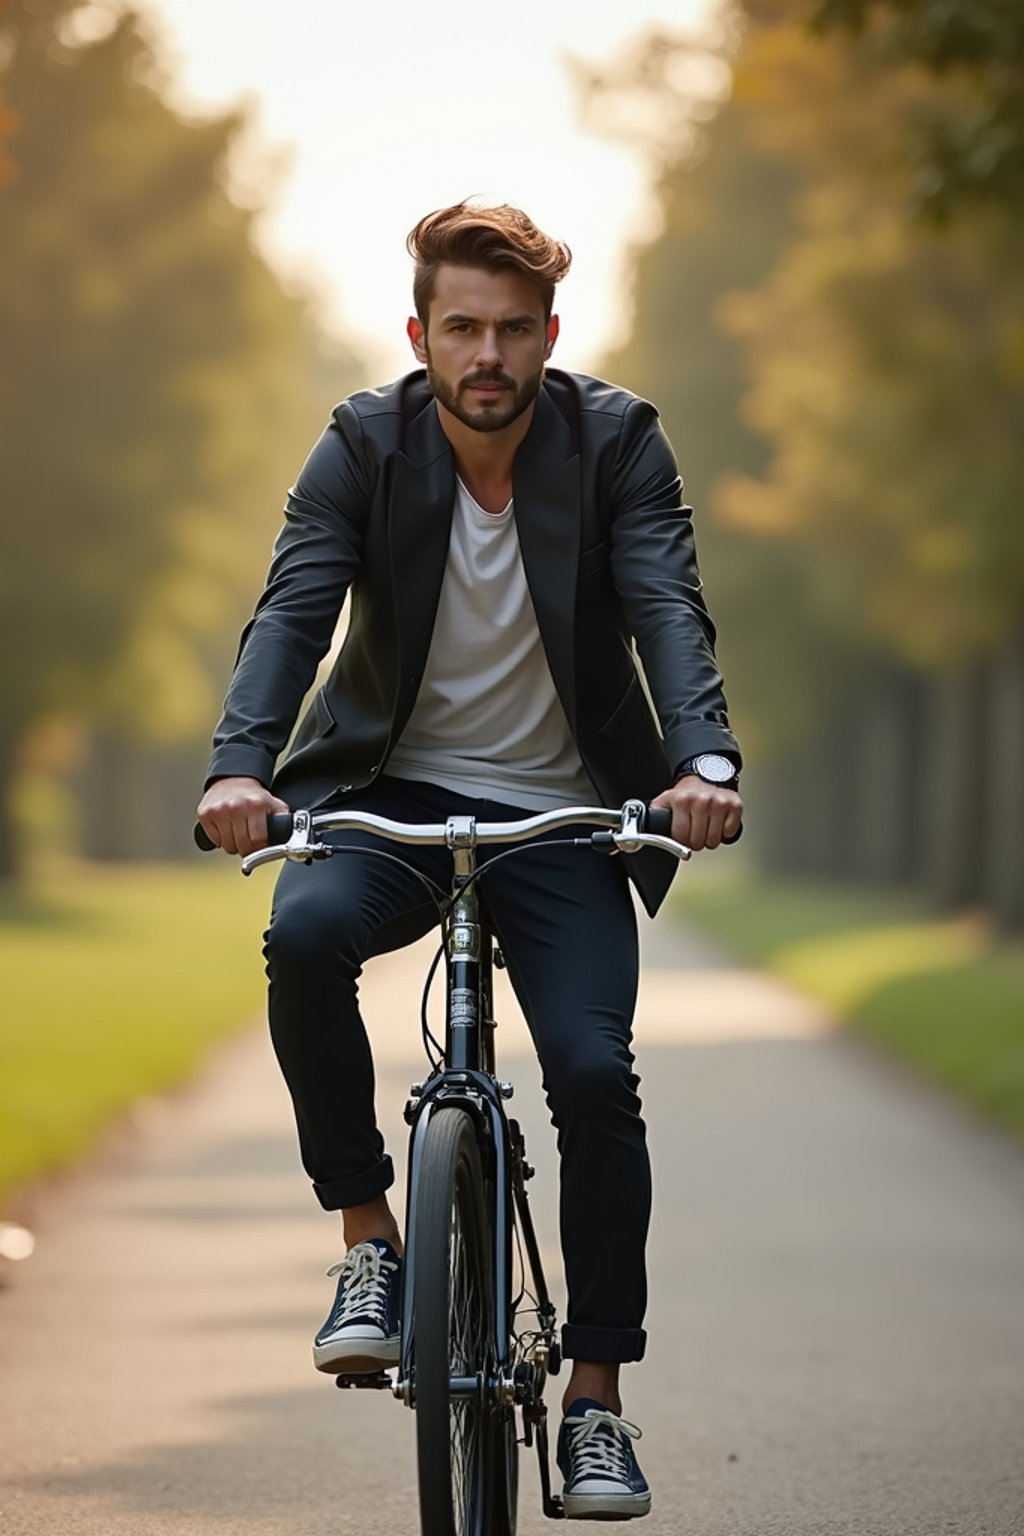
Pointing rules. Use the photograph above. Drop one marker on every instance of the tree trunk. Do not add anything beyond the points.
(100, 798)
(831, 820)
(1005, 797)
(138, 801)
(889, 752)
(954, 768)
(803, 809)
(9, 863)
(764, 815)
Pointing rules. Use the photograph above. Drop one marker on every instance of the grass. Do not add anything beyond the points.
(942, 993)
(116, 979)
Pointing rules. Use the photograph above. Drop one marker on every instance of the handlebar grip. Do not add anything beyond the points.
(279, 830)
(279, 826)
(659, 820)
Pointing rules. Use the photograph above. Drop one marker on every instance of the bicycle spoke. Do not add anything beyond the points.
(465, 1357)
(454, 1435)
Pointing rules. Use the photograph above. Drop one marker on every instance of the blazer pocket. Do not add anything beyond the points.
(322, 714)
(624, 714)
(594, 559)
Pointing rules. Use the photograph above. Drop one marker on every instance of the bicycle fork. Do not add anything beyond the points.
(469, 1083)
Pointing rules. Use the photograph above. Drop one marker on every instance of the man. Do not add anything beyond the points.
(511, 537)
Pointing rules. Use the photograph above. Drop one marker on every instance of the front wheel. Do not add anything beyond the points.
(465, 1446)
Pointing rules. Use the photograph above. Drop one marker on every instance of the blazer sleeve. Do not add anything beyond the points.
(316, 556)
(654, 568)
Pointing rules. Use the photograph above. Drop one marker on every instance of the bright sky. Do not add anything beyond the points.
(389, 108)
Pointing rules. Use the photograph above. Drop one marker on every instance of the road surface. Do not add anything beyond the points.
(837, 1297)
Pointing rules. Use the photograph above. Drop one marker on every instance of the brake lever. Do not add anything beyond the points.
(299, 846)
(261, 856)
(304, 855)
(614, 842)
(667, 844)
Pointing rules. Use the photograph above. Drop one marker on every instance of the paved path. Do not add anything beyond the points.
(837, 1299)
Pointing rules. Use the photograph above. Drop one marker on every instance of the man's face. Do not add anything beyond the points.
(485, 344)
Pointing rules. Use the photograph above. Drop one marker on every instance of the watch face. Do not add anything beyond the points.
(719, 770)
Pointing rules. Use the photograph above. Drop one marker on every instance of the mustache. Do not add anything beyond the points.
(488, 378)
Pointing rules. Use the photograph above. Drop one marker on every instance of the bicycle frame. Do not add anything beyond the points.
(467, 1080)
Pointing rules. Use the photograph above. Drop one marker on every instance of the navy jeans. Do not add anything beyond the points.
(565, 921)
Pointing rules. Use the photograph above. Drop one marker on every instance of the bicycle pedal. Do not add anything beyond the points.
(367, 1381)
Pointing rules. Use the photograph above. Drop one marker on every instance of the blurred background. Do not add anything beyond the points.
(798, 228)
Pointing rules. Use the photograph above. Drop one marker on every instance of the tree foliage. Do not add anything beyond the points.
(158, 385)
(843, 381)
(728, 206)
(887, 368)
(968, 144)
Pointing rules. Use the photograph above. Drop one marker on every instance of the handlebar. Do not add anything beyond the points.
(291, 833)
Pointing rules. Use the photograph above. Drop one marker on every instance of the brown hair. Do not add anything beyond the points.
(493, 238)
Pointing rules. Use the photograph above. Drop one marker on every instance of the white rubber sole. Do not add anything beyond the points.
(360, 1357)
(606, 1506)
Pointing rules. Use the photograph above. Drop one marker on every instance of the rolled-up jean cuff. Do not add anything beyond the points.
(615, 1345)
(358, 1188)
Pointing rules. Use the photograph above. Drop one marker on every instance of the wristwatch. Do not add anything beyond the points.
(713, 768)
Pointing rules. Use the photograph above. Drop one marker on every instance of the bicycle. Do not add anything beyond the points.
(464, 1365)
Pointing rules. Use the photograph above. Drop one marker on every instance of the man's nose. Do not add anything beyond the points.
(488, 347)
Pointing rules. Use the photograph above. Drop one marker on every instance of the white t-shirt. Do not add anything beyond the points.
(487, 721)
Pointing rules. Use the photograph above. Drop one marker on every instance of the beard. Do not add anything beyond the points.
(489, 415)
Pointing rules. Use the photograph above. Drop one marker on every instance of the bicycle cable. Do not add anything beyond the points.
(439, 896)
(425, 1030)
(522, 1267)
(444, 902)
(482, 869)
(445, 907)
(444, 911)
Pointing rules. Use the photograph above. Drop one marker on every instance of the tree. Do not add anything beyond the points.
(849, 391)
(967, 146)
(729, 207)
(886, 354)
(156, 378)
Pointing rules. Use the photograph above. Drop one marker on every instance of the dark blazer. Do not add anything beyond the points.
(607, 547)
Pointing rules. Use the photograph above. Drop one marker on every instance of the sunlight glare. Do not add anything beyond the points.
(376, 114)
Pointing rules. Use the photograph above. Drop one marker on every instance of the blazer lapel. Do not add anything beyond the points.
(546, 493)
(419, 529)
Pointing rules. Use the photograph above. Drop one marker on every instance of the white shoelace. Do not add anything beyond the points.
(365, 1271)
(597, 1444)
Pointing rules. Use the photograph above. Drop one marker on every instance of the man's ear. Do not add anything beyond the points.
(550, 336)
(417, 337)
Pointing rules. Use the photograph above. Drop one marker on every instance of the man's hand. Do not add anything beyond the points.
(702, 813)
(233, 814)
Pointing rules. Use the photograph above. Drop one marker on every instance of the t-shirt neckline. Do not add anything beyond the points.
(490, 517)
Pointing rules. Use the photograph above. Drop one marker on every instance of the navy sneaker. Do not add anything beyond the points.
(602, 1479)
(361, 1333)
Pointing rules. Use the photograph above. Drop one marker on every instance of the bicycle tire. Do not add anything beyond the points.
(466, 1450)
